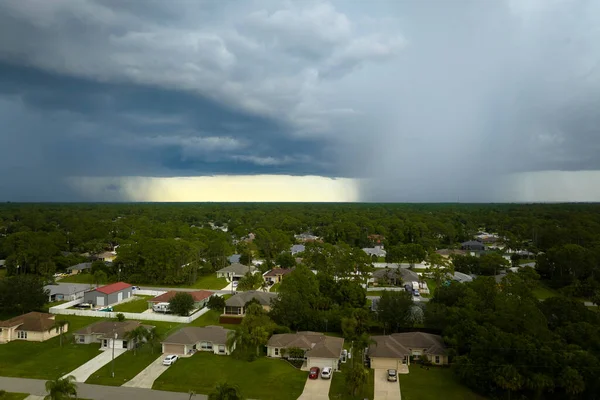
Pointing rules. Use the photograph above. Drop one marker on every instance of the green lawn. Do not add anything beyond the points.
(261, 379)
(138, 305)
(78, 278)
(543, 292)
(209, 282)
(13, 396)
(433, 384)
(339, 390)
(275, 287)
(127, 366)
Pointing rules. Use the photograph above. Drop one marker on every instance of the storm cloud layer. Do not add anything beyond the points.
(417, 101)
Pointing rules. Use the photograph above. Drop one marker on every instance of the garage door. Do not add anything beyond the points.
(100, 300)
(173, 349)
(321, 362)
(384, 363)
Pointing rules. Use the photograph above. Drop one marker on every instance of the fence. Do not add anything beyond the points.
(148, 292)
(63, 309)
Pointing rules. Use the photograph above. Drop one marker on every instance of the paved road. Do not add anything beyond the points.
(421, 299)
(146, 378)
(385, 390)
(95, 392)
(84, 371)
(316, 389)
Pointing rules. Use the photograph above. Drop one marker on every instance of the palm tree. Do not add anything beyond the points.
(136, 335)
(237, 337)
(61, 389)
(153, 338)
(264, 285)
(225, 391)
(59, 325)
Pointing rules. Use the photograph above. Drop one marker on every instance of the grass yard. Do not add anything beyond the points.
(13, 396)
(78, 278)
(433, 384)
(127, 366)
(261, 379)
(339, 390)
(138, 305)
(210, 282)
(275, 287)
(542, 292)
(210, 318)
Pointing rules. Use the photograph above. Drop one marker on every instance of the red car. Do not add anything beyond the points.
(314, 373)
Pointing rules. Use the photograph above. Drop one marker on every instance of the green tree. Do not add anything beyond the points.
(216, 303)
(286, 260)
(59, 326)
(393, 309)
(356, 377)
(137, 336)
(153, 338)
(246, 257)
(61, 389)
(100, 277)
(225, 391)
(22, 294)
(181, 304)
(120, 317)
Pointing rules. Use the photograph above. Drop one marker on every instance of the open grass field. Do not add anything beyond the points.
(13, 396)
(433, 384)
(339, 388)
(209, 282)
(542, 292)
(127, 366)
(261, 379)
(138, 305)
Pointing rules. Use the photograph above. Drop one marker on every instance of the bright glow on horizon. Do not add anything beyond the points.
(226, 188)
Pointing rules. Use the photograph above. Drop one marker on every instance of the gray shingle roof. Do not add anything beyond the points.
(109, 328)
(238, 269)
(316, 344)
(81, 266)
(234, 258)
(238, 300)
(194, 334)
(67, 288)
(399, 345)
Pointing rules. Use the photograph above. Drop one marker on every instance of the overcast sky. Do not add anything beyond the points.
(155, 100)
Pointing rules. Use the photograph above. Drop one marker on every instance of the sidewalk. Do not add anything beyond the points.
(96, 392)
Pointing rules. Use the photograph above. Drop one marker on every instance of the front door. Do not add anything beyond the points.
(124, 344)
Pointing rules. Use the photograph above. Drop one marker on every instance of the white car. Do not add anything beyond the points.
(234, 284)
(170, 359)
(326, 373)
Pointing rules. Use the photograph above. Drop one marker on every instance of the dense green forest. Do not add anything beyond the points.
(504, 341)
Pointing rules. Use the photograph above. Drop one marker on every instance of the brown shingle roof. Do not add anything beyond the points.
(32, 322)
(198, 295)
(109, 328)
(194, 334)
(279, 271)
(398, 345)
(317, 344)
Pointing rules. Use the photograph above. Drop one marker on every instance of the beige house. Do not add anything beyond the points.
(109, 334)
(191, 339)
(276, 274)
(236, 305)
(396, 350)
(107, 256)
(33, 327)
(236, 271)
(319, 350)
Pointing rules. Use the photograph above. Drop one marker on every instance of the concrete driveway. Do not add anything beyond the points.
(316, 389)
(385, 390)
(146, 378)
(83, 372)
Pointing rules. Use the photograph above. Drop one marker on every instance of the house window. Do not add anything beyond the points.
(22, 335)
(437, 359)
(206, 346)
(105, 343)
(276, 351)
(81, 339)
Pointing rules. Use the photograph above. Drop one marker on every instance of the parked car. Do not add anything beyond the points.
(170, 359)
(417, 294)
(326, 373)
(234, 284)
(392, 375)
(314, 373)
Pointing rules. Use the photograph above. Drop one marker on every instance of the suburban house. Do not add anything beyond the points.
(319, 350)
(276, 274)
(376, 251)
(33, 327)
(66, 291)
(200, 298)
(306, 237)
(446, 253)
(109, 334)
(107, 256)
(190, 339)
(394, 276)
(235, 306)
(78, 268)
(472, 245)
(235, 271)
(297, 248)
(396, 350)
(109, 294)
